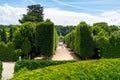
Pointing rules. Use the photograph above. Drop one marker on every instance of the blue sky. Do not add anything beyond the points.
(74, 10)
(85, 6)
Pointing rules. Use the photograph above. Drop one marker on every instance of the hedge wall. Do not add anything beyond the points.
(112, 47)
(81, 40)
(46, 38)
(34, 64)
(103, 69)
(7, 52)
(107, 40)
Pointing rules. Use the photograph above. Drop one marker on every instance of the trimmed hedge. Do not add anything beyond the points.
(107, 40)
(46, 38)
(112, 47)
(34, 64)
(81, 39)
(7, 52)
(103, 69)
(1, 70)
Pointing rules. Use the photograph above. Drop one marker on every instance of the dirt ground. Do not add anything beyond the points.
(8, 70)
(63, 53)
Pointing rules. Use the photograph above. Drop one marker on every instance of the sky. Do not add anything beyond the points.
(64, 12)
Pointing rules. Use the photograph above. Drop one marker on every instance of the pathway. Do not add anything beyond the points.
(8, 70)
(63, 53)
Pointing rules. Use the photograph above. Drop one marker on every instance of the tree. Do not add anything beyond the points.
(27, 30)
(3, 36)
(26, 47)
(63, 30)
(11, 34)
(34, 14)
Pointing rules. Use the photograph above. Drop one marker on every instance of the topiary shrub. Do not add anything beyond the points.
(34, 64)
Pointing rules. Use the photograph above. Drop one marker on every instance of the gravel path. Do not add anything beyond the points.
(63, 53)
(8, 69)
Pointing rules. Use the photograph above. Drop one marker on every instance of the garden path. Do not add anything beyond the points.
(63, 53)
(8, 70)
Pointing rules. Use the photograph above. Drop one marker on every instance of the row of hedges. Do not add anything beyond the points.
(29, 40)
(35, 64)
(81, 40)
(99, 40)
(1, 70)
(46, 38)
(103, 69)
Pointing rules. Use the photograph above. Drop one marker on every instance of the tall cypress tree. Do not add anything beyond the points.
(3, 36)
(11, 34)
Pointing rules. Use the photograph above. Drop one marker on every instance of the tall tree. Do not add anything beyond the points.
(34, 14)
(11, 34)
(3, 36)
(26, 47)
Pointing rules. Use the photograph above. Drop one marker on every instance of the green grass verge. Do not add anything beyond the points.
(103, 69)
(35, 64)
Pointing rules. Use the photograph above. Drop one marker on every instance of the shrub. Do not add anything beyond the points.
(7, 52)
(34, 64)
(1, 69)
(103, 69)
(46, 38)
(81, 39)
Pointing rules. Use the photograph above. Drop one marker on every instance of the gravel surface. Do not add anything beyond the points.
(8, 69)
(63, 53)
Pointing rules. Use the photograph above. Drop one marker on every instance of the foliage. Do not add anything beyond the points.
(26, 47)
(3, 36)
(103, 69)
(106, 39)
(11, 34)
(112, 49)
(63, 30)
(34, 14)
(35, 64)
(46, 38)
(1, 68)
(27, 30)
(81, 39)
(7, 52)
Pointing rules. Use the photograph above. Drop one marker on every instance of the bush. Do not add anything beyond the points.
(34, 64)
(81, 39)
(7, 52)
(112, 49)
(46, 38)
(103, 69)
(1, 69)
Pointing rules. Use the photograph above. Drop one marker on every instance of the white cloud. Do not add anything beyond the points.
(73, 18)
(11, 15)
(67, 17)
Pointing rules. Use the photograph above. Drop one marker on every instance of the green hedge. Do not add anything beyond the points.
(46, 38)
(34, 64)
(1, 69)
(81, 40)
(103, 69)
(112, 47)
(107, 40)
(7, 52)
